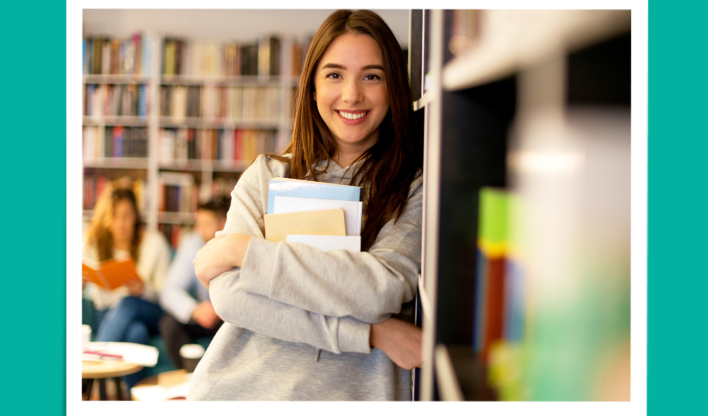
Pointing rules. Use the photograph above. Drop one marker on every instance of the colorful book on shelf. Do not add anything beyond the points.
(490, 285)
(324, 222)
(138, 53)
(117, 141)
(514, 300)
(310, 189)
(109, 274)
(352, 209)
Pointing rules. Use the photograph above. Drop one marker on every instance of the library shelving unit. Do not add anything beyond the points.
(535, 104)
(195, 120)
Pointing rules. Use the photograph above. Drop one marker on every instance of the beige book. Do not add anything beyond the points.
(321, 222)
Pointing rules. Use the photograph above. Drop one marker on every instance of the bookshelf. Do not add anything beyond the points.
(182, 118)
(535, 105)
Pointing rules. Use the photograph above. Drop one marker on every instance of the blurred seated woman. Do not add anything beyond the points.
(129, 313)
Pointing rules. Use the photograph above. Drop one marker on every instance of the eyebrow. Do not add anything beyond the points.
(338, 66)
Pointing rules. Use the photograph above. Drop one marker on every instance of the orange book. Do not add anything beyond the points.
(111, 273)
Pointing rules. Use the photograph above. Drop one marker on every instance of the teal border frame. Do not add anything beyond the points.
(33, 111)
(677, 201)
(34, 206)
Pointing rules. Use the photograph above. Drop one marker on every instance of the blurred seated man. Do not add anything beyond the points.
(188, 311)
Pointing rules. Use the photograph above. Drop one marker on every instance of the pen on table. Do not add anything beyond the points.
(103, 354)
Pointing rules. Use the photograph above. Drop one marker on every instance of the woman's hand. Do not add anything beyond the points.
(135, 287)
(401, 341)
(205, 315)
(219, 255)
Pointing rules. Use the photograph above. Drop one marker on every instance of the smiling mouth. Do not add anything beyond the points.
(353, 116)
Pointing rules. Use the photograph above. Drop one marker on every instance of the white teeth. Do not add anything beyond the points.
(351, 116)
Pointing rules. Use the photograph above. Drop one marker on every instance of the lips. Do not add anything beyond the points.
(352, 117)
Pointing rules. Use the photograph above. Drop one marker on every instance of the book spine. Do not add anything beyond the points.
(215, 134)
(144, 89)
(95, 56)
(274, 56)
(84, 57)
(100, 142)
(136, 99)
(191, 144)
(164, 101)
(146, 47)
(118, 141)
(238, 145)
(178, 57)
(126, 145)
(137, 54)
(108, 142)
(88, 100)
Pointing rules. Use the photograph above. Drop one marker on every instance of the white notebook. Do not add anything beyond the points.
(352, 209)
(328, 242)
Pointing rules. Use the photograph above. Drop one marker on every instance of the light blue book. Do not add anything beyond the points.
(309, 189)
(84, 57)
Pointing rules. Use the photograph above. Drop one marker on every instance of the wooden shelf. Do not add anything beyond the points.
(189, 165)
(536, 35)
(117, 163)
(115, 79)
(201, 123)
(428, 97)
(137, 121)
(242, 80)
(198, 165)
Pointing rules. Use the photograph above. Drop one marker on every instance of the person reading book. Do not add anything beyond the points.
(189, 313)
(301, 323)
(129, 313)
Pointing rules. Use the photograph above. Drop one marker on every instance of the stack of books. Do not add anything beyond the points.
(323, 215)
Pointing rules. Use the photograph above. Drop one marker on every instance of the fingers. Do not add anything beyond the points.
(204, 282)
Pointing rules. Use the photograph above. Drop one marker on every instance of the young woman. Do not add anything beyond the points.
(129, 313)
(300, 323)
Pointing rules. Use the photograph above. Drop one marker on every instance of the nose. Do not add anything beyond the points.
(352, 92)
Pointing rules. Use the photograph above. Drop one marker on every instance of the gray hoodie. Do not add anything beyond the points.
(289, 300)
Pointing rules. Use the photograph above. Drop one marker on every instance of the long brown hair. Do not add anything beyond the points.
(393, 162)
(99, 232)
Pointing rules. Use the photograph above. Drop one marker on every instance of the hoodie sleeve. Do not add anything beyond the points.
(258, 313)
(369, 286)
(297, 293)
(286, 322)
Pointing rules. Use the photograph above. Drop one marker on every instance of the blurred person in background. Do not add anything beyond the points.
(129, 313)
(301, 323)
(189, 313)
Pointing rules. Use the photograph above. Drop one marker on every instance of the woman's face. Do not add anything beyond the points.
(350, 91)
(123, 223)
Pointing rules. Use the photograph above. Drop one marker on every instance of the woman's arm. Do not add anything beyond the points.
(285, 322)
(368, 286)
(399, 340)
(258, 313)
(267, 316)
